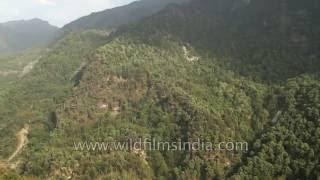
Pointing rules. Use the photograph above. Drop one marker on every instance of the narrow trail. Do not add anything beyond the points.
(21, 73)
(22, 140)
(28, 68)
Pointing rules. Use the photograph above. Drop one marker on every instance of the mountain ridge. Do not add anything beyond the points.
(25, 34)
(113, 18)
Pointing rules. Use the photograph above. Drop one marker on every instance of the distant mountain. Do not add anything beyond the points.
(24, 34)
(113, 18)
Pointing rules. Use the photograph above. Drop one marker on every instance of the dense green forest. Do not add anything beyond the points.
(215, 70)
(289, 148)
(116, 17)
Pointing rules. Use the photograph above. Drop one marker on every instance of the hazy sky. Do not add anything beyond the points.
(57, 12)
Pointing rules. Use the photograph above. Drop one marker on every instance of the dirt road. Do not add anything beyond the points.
(22, 140)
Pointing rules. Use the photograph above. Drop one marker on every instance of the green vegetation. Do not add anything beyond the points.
(219, 71)
(116, 17)
(41, 90)
(289, 148)
(14, 66)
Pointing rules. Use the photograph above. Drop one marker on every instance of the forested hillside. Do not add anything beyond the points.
(116, 17)
(289, 148)
(216, 70)
(31, 97)
(15, 66)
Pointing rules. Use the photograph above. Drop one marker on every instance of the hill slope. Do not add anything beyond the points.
(214, 70)
(15, 66)
(113, 18)
(20, 35)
